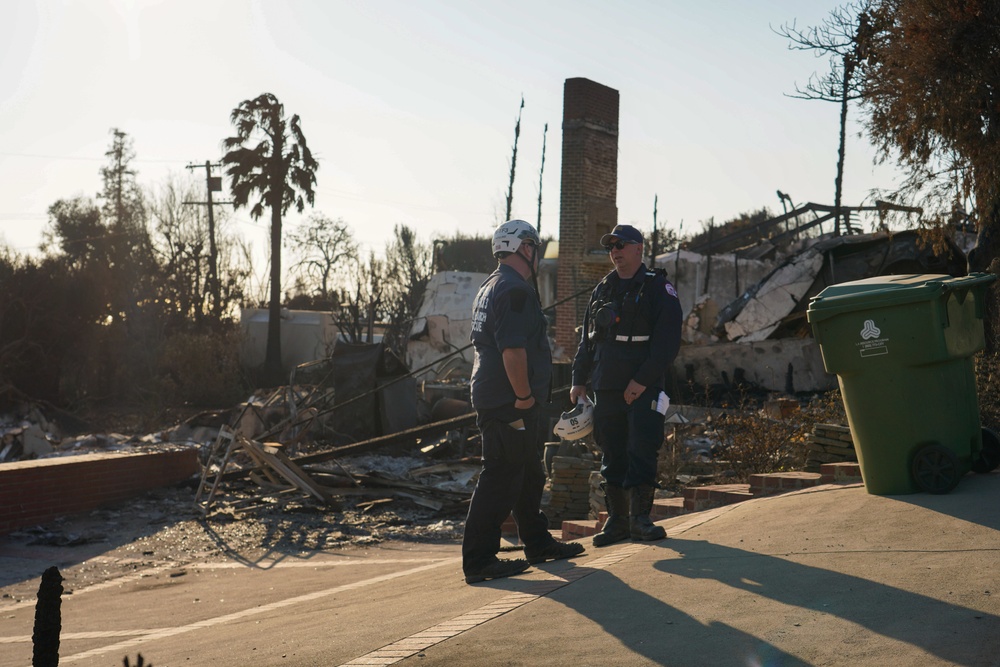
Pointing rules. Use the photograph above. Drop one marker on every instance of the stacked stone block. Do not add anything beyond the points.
(829, 443)
(569, 488)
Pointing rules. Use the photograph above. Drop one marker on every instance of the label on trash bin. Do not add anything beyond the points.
(872, 344)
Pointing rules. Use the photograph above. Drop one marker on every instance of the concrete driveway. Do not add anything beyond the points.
(827, 576)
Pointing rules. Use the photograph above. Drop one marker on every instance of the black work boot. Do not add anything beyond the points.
(553, 551)
(641, 527)
(496, 569)
(616, 528)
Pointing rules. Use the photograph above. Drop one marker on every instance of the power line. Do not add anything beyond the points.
(83, 159)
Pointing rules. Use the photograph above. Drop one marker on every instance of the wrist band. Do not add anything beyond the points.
(522, 399)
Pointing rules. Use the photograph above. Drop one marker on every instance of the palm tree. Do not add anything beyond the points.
(268, 158)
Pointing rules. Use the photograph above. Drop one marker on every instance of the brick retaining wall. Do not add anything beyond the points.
(37, 491)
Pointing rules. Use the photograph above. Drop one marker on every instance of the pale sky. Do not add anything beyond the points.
(410, 105)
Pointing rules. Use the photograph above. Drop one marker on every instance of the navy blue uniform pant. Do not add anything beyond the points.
(512, 480)
(629, 436)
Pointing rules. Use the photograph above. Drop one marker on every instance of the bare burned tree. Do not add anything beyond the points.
(181, 240)
(513, 161)
(361, 299)
(322, 246)
(838, 39)
(408, 270)
(541, 172)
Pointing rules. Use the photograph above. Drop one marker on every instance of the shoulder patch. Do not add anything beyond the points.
(518, 299)
(670, 290)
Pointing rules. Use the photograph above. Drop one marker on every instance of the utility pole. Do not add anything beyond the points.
(213, 184)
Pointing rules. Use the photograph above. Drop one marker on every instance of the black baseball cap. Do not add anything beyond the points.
(623, 233)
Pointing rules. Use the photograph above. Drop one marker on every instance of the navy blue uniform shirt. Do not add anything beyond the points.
(610, 364)
(507, 314)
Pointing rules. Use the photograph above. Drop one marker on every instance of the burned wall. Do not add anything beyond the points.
(773, 365)
(443, 325)
(707, 283)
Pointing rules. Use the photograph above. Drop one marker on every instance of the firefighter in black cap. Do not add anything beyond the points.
(631, 334)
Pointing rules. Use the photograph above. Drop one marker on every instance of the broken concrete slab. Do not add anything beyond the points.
(34, 442)
(775, 297)
(700, 321)
(722, 278)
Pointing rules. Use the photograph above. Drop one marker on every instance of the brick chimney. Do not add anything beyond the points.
(588, 202)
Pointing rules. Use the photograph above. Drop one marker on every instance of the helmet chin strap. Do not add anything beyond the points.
(531, 268)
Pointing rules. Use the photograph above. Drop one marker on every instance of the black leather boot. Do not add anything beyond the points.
(641, 527)
(616, 528)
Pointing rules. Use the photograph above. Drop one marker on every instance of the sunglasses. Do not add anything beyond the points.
(617, 245)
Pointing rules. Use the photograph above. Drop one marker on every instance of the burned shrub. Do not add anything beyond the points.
(771, 439)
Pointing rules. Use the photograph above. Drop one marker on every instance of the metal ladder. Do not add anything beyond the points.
(218, 458)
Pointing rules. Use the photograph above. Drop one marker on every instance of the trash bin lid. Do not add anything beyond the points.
(884, 291)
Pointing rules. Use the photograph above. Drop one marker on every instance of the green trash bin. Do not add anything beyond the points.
(902, 348)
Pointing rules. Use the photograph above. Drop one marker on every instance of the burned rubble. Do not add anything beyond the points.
(396, 493)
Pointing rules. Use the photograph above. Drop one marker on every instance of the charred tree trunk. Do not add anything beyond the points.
(839, 182)
(272, 356)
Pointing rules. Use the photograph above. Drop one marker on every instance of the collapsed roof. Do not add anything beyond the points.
(776, 306)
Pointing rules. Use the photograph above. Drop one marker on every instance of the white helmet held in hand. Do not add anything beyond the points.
(509, 236)
(576, 423)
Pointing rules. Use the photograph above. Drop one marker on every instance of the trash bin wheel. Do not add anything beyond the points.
(935, 469)
(989, 455)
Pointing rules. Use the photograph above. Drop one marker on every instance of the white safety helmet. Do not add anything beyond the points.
(576, 423)
(509, 236)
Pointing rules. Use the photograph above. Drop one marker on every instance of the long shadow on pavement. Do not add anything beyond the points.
(649, 627)
(973, 500)
(957, 634)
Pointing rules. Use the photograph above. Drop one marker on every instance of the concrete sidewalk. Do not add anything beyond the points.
(830, 576)
(827, 576)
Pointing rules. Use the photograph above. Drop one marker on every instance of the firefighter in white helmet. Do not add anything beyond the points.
(511, 378)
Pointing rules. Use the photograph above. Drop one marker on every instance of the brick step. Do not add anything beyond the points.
(663, 508)
(577, 528)
(848, 472)
(699, 498)
(769, 484)
(667, 508)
